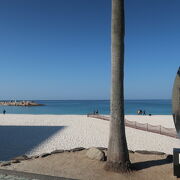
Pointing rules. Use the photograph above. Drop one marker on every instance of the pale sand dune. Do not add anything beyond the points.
(69, 131)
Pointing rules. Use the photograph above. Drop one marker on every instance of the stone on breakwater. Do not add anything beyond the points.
(102, 148)
(130, 151)
(94, 153)
(45, 155)
(21, 158)
(150, 152)
(77, 149)
(57, 151)
(7, 163)
(15, 161)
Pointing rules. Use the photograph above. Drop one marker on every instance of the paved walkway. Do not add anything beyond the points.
(9, 177)
(16, 175)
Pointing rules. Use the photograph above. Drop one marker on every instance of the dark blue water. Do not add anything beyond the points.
(88, 106)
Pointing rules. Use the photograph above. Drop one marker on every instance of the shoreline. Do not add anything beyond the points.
(86, 114)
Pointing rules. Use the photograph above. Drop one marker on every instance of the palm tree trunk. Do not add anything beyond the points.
(118, 156)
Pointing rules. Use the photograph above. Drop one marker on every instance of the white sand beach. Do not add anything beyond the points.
(37, 134)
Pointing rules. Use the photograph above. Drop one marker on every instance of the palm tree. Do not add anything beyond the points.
(118, 156)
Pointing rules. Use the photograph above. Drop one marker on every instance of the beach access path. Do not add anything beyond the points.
(20, 175)
(38, 134)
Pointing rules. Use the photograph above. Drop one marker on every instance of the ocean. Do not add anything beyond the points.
(83, 107)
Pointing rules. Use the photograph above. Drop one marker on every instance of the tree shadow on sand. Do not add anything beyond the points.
(147, 164)
(18, 140)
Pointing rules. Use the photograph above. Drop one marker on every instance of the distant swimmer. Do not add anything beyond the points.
(4, 111)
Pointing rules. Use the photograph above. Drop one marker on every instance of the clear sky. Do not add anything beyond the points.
(60, 49)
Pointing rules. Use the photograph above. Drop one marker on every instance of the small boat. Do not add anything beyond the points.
(176, 102)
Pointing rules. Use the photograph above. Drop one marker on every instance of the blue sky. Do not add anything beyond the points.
(60, 49)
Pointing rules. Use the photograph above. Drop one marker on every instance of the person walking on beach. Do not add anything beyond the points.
(144, 112)
(97, 112)
(4, 111)
(139, 112)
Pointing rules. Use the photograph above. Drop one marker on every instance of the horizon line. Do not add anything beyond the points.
(73, 99)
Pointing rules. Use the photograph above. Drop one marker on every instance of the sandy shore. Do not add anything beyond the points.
(37, 134)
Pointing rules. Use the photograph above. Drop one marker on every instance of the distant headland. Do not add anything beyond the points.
(19, 103)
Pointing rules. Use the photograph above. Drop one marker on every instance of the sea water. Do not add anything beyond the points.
(82, 107)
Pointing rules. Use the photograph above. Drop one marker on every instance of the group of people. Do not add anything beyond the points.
(141, 112)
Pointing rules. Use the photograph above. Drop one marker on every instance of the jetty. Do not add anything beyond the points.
(19, 103)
